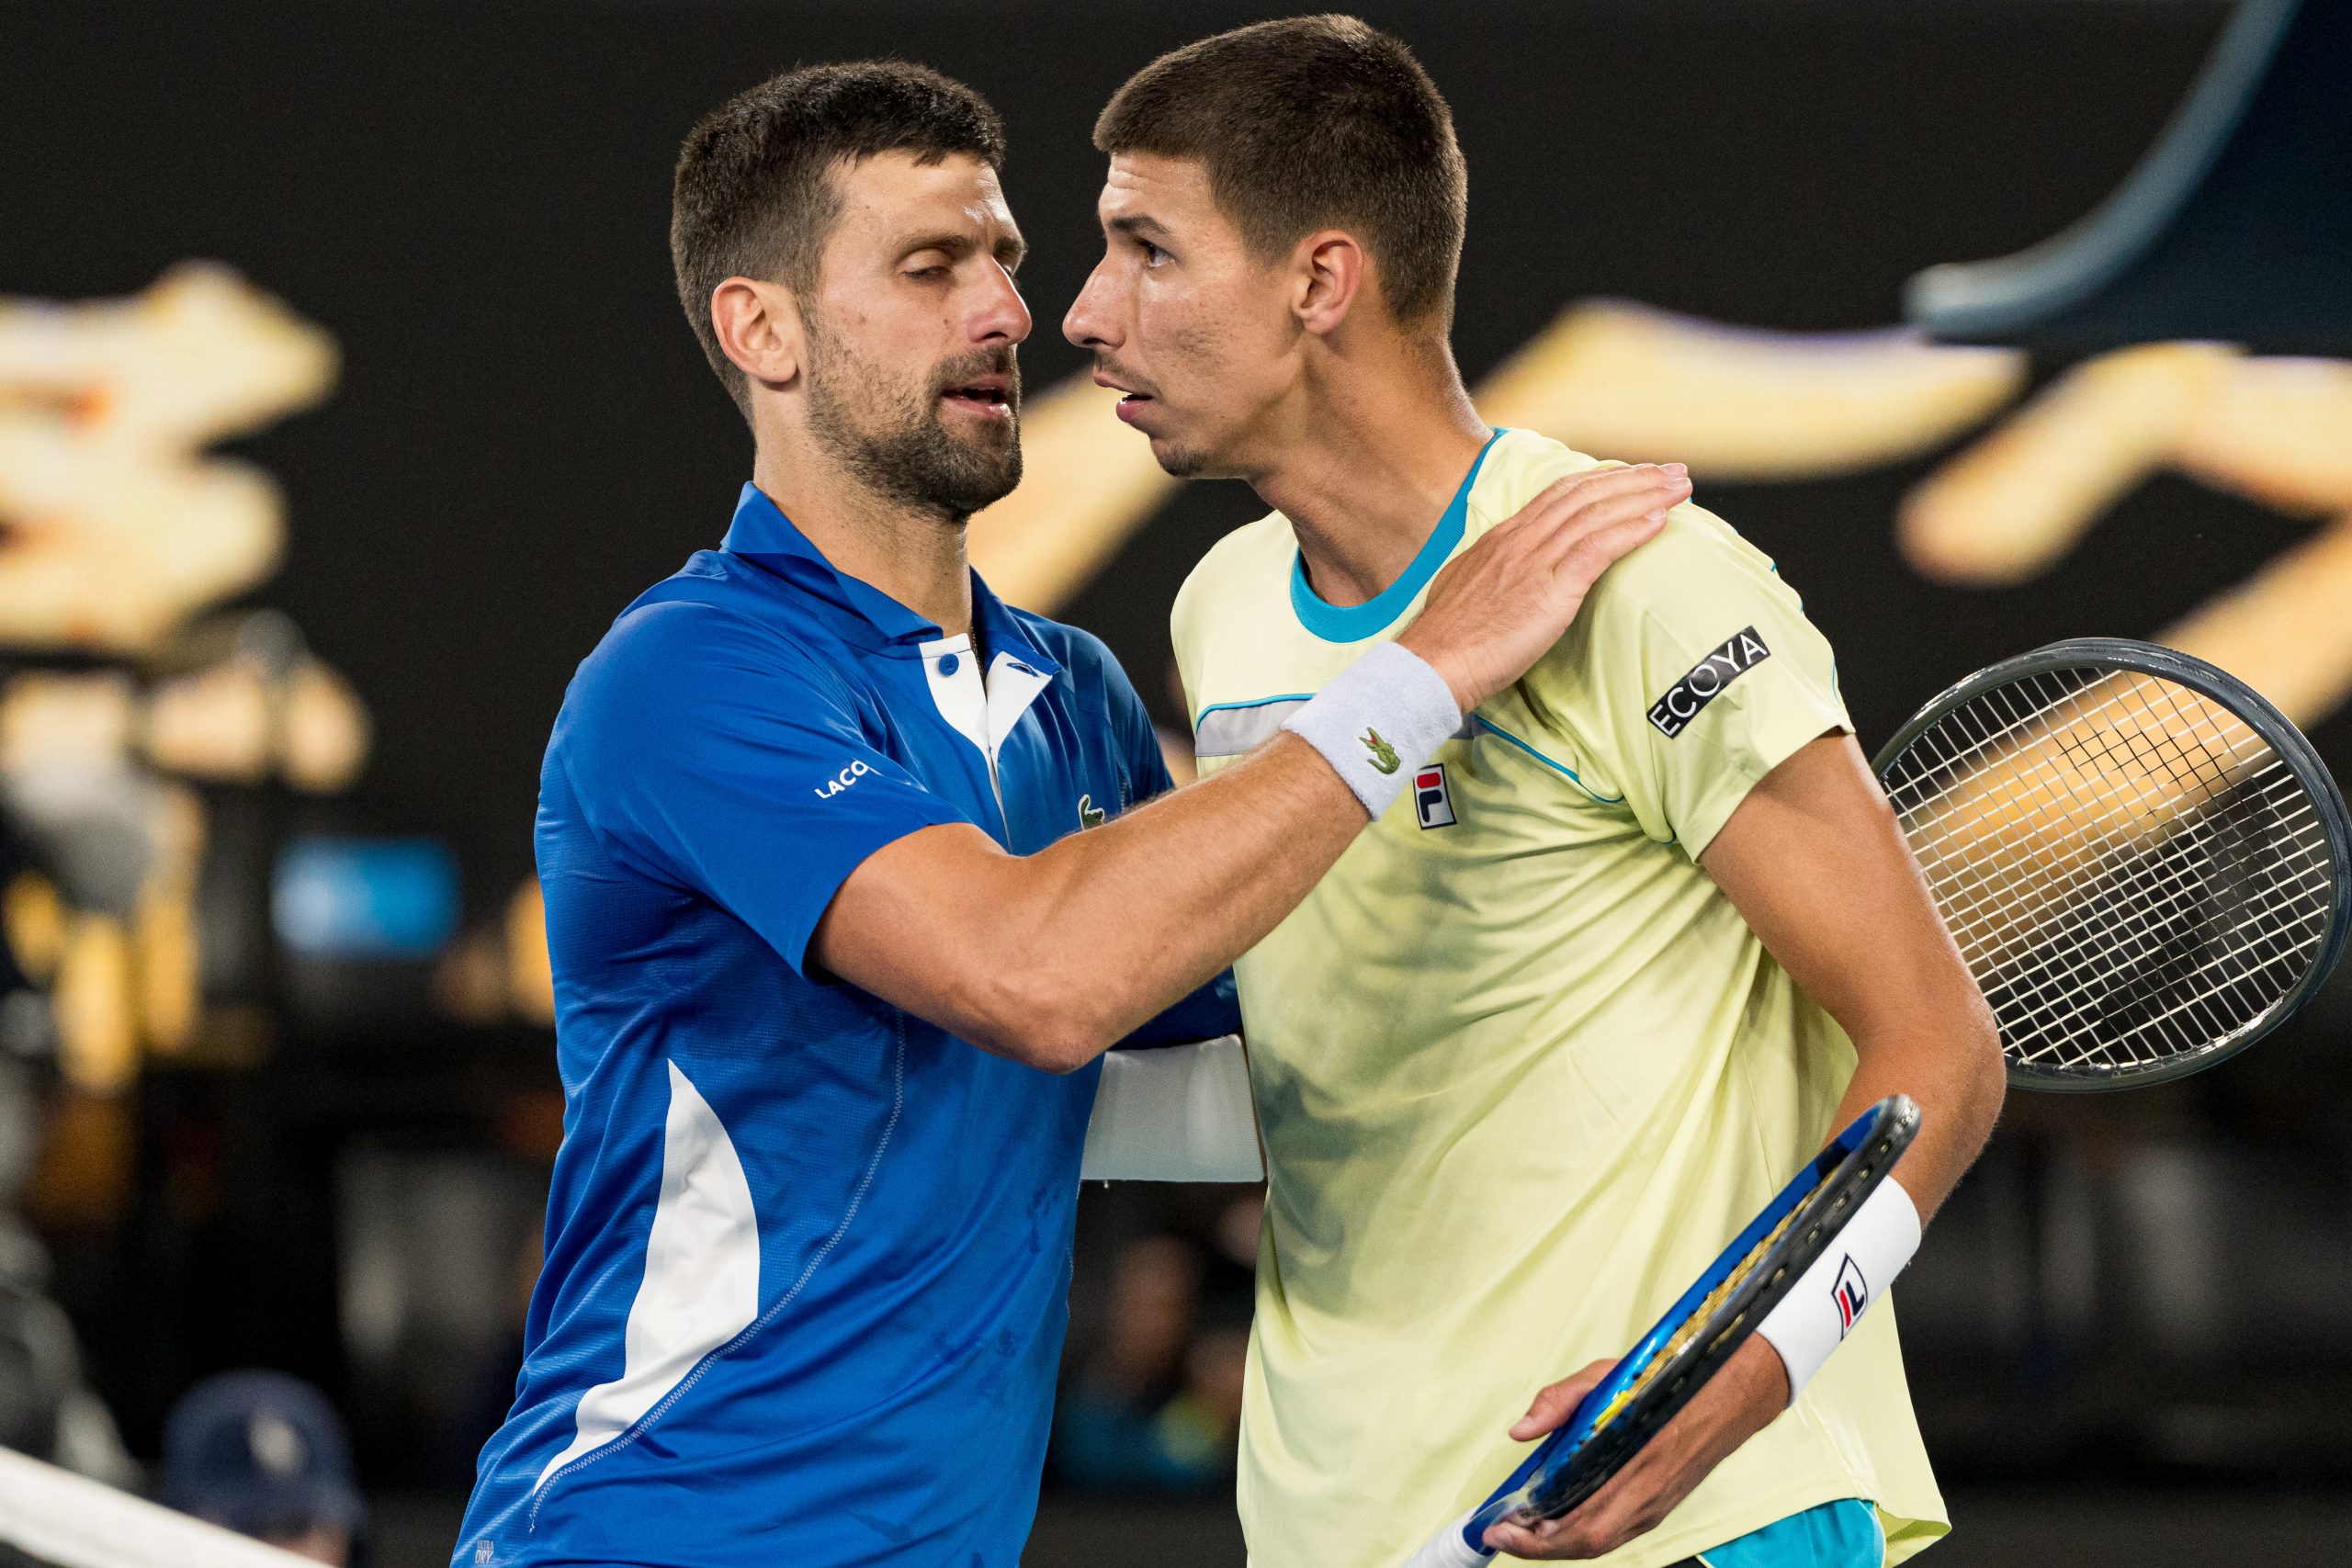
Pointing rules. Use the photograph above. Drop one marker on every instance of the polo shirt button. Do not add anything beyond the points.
(947, 663)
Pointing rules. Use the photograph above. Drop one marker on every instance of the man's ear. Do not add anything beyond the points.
(1328, 269)
(759, 328)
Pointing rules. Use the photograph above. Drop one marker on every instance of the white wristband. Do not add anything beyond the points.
(1378, 721)
(1175, 1113)
(1831, 1296)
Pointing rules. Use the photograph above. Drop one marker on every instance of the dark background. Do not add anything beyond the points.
(473, 201)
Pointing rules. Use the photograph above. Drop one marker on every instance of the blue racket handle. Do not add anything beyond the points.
(1458, 1545)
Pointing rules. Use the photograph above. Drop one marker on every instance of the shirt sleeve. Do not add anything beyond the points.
(715, 755)
(1700, 675)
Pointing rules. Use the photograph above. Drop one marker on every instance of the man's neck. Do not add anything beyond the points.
(914, 555)
(1369, 460)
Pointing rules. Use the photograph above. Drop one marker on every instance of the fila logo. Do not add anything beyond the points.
(1430, 802)
(842, 781)
(1852, 1294)
(1742, 652)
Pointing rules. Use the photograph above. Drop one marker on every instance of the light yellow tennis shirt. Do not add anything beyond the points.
(1523, 1069)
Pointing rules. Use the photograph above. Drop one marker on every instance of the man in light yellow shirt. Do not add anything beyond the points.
(1623, 954)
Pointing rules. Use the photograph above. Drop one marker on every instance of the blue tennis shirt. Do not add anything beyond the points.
(807, 1256)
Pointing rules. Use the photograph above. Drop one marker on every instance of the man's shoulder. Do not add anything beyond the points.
(1253, 560)
(698, 632)
(1515, 470)
(1082, 656)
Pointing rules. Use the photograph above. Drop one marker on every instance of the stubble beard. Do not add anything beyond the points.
(892, 439)
(1179, 462)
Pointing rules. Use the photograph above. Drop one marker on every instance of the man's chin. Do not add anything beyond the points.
(1177, 462)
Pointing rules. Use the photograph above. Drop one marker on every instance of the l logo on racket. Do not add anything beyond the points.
(1852, 1293)
(1741, 652)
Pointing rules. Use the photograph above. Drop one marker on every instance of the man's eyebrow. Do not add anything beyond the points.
(1010, 249)
(1136, 225)
(955, 245)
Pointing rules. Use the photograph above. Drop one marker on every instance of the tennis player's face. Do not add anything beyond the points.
(1182, 318)
(912, 384)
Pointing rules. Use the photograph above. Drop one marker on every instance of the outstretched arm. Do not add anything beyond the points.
(1051, 958)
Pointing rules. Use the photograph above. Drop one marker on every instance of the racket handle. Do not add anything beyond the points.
(1448, 1550)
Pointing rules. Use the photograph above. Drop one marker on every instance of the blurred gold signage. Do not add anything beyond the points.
(120, 534)
(1737, 404)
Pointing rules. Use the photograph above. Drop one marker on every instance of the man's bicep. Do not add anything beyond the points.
(1814, 861)
(902, 922)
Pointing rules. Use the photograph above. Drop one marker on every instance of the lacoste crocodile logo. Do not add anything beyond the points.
(1383, 756)
(1089, 814)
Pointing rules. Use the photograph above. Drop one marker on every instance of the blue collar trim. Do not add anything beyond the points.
(1353, 622)
(761, 532)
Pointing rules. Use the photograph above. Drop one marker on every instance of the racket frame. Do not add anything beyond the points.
(2111, 654)
(1580, 1456)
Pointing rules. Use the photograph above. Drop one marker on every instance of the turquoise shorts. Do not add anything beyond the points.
(1843, 1534)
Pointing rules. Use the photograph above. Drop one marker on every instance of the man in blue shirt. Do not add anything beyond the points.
(833, 961)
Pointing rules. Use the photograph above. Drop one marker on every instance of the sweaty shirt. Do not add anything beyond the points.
(1523, 1069)
(808, 1256)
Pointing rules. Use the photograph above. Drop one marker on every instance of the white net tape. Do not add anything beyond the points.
(2135, 876)
(63, 1520)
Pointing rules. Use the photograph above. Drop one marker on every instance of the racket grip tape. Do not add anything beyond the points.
(1447, 1549)
(1831, 1295)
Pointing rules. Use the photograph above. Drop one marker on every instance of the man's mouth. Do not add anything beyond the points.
(990, 397)
(1131, 403)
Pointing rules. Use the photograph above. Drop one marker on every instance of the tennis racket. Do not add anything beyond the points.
(2144, 863)
(1693, 1340)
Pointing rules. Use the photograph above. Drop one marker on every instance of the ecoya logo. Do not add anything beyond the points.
(1742, 651)
(842, 781)
(1430, 802)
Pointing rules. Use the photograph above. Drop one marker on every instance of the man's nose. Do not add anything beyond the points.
(1088, 324)
(1004, 316)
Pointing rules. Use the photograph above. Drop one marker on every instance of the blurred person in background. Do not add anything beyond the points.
(834, 961)
(264, 1454)
(1125, 1420)
(47, 1408)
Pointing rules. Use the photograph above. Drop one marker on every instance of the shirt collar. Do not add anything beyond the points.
(761, 533)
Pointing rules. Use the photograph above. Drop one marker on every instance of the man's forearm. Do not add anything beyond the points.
(1051, 957)
(1104, 929)
(1954, 1072)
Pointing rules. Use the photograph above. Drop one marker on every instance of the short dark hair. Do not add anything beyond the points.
(1311, 122)
(753, 195)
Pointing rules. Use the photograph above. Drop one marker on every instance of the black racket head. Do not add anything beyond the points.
(1756, 1274)
(2145, 862)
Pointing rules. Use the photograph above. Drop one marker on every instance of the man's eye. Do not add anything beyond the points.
(1152, 255)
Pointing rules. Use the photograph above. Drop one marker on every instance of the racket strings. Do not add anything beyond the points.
(2153, 907)
(2131, 872)
(1994, 795)
(2100, 849)
(2137, 938)
(2153, 897)
(2006, 798)
(1699, 1320)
